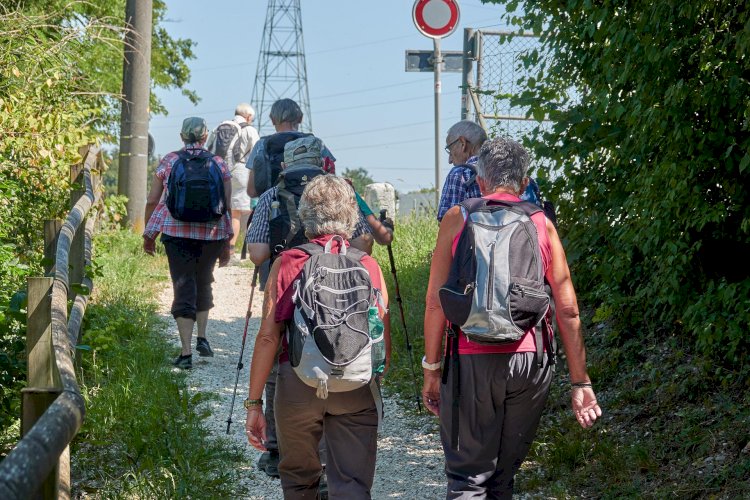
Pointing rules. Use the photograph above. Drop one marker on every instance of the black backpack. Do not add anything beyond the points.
(226, 142)
(195, 188)
(267, 167)
(285, 228)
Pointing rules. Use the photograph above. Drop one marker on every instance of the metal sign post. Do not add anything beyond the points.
(436, 19)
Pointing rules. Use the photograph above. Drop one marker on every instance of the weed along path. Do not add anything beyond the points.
(410, 459)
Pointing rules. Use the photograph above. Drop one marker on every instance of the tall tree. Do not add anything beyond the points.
(360, 178)
(650, 102)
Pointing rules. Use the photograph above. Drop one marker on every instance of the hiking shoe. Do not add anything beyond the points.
(184, 362)
(323, 486)
(203, 348)
(272, 463)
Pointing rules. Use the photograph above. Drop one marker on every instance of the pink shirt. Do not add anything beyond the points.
(527, 343)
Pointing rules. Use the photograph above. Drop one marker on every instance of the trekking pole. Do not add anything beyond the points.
(242, 349)
(383, 214)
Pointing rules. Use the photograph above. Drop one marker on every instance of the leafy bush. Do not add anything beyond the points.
(650, 147)
(413, 243)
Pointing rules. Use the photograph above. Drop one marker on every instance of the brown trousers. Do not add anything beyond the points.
(349, 422)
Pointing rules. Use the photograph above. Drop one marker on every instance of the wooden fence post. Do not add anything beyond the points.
(34, 402)
(51, 232)
(41, 360)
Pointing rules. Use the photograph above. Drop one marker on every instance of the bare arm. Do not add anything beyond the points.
(585, 406)
(259, 252)
(251, 184)
(434, 319)
(154, 196)
(381, 234)
(264, 355)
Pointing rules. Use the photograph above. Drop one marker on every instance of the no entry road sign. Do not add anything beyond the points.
(435, 18)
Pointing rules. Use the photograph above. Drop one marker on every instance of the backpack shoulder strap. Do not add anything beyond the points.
(473, 204)
(355, 254)
(310, 248)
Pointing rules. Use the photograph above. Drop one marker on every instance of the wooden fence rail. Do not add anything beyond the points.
(52, 405)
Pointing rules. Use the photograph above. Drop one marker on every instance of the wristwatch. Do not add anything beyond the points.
(251, 403)
(430, 366)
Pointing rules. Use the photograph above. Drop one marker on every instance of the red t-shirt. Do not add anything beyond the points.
(292, 261)
(527, 343)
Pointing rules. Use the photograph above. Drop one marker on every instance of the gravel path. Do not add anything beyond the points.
(410, 459)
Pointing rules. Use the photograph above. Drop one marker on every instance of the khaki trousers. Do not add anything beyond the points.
(349, 422)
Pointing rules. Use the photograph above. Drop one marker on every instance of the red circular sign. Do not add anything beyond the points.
(435, 18)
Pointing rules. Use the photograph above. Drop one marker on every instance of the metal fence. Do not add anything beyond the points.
(493, 66)
(52, 405)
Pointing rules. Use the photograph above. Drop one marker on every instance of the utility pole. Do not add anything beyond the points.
(281, 71)
(136, 90)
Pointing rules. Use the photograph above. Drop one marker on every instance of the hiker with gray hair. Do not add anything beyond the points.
(233, 140)
(264, 161)
(192, 248)
(462, 144)
(348, 420)
(499, 358)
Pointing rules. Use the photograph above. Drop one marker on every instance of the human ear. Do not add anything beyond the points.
(524, 184)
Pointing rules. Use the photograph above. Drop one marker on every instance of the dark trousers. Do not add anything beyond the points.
(191, 266)
(502, 398)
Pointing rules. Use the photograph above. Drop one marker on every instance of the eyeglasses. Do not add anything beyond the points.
(448, 147)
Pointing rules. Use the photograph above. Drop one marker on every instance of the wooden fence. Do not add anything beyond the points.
(52, 405)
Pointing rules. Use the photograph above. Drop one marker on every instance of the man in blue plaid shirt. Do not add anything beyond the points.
(462, 144)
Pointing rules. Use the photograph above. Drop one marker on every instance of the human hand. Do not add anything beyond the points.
(255, 428)
(585, 407)
(431, 391)
(225, 254)
(149, 245)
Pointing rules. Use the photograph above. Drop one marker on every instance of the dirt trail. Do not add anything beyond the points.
(410, 459)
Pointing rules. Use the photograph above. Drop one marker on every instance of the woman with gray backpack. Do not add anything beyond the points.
(325, 307)
(487, 312)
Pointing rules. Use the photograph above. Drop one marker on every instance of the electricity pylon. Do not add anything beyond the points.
(281, 70)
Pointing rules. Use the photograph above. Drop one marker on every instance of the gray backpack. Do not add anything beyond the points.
(495, 290)
(329, 341)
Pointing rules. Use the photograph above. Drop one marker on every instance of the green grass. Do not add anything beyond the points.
(674, 424)
(144, 435)
(412, 247)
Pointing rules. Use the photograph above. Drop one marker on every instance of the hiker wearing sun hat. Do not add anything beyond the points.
(195, 225)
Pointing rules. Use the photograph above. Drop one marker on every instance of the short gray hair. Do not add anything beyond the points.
(472, 132)
(285, 110)
(327, 206)
(502, 163)
(244, 109)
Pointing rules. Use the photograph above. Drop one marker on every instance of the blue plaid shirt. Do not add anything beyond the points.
(456, 188)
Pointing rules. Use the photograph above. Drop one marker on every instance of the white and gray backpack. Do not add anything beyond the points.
(495, 290)
(329, 340)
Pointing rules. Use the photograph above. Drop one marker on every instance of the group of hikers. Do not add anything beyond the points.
(498, 282)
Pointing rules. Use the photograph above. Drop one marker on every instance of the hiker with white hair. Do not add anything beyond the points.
(462, 144)
(233, 140)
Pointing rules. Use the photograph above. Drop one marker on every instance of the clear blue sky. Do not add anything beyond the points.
(369, 111)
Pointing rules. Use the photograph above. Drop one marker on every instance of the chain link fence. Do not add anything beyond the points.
(492, 75)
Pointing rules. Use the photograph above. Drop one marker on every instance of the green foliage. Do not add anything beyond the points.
(144, 435)
(360, 178)
(413, 244)
(169, 56)
(650, 151)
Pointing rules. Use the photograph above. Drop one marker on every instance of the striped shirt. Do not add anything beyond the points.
(161, 221)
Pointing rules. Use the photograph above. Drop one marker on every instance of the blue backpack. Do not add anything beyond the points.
(195, 188)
